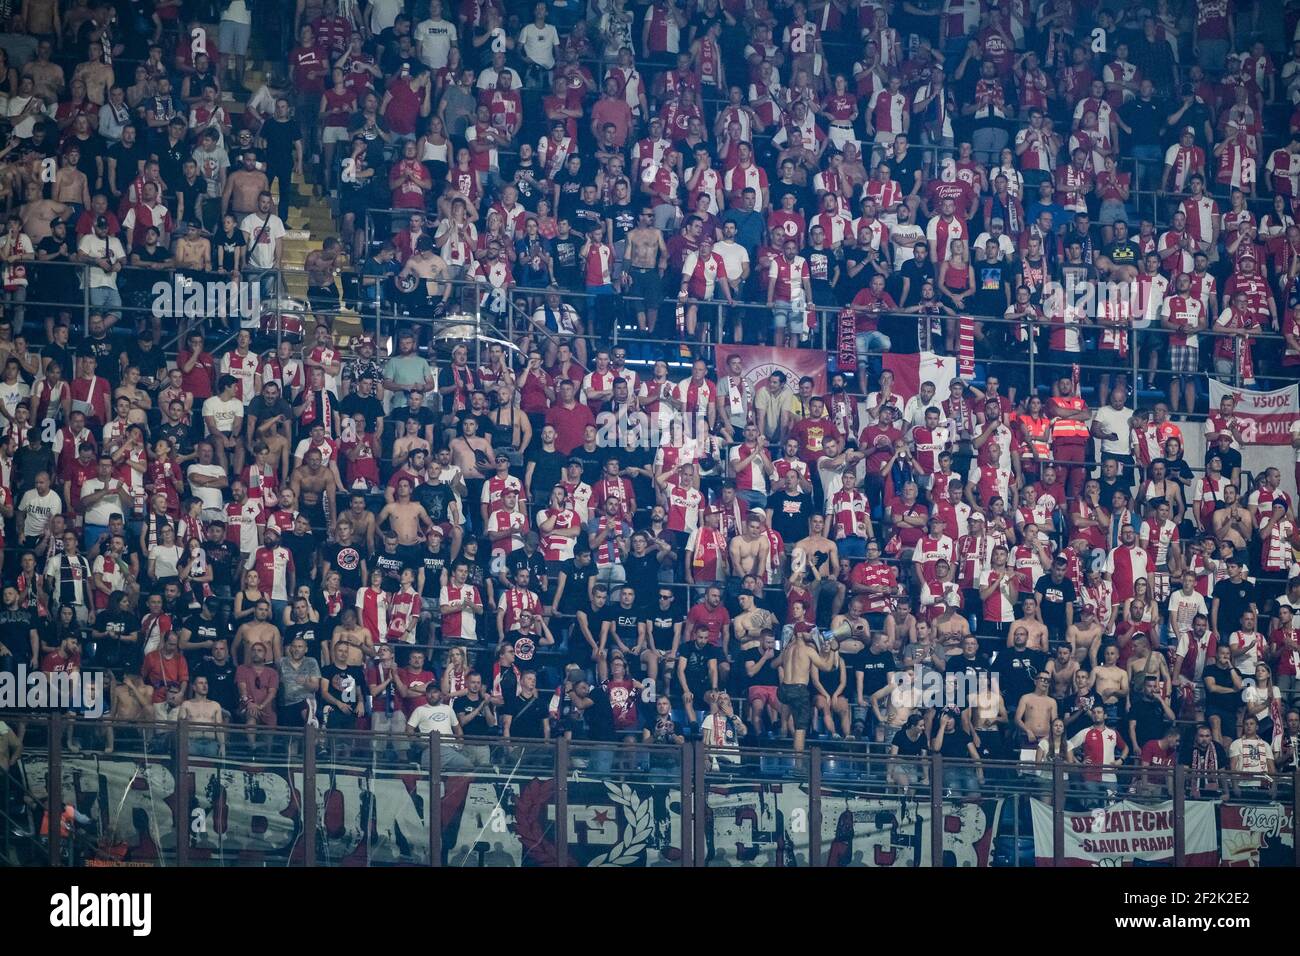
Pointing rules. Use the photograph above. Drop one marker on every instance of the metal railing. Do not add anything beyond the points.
(177, 794)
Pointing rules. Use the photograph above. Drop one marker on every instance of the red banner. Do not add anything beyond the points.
(760, 361)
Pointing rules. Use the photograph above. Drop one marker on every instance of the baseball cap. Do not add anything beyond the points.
(101, 222)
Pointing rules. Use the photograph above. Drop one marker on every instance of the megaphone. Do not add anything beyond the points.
(840, 632)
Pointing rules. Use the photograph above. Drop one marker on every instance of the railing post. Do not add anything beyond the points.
(1295, 812)
(936, 809)
(701, 803)
(183, 792)
(815, 806)
(54, 787)
(562, 802)
(1180, 806)
(1058, 813)
(308, 796)
(687, 814)
(434, 811)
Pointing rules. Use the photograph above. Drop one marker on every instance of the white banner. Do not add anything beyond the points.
(1127, 833)
(1268, 416)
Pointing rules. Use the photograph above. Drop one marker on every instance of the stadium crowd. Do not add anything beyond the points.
(598, 527)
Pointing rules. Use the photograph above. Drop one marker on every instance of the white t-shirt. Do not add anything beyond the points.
(108, 506)
(261, 241)
(39, 509)
(168, 558)
(1254, 754)
(10, 396)
(1116, 421)
(1295, 433)
(434, 39)
(539, 44)
(107, 248)
(734, 256)
(428, 718)
(211, 498)
(1182, 609)
(223, 412)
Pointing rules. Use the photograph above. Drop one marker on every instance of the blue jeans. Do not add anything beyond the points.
(755, 499)
(852, 547)
(93, 533)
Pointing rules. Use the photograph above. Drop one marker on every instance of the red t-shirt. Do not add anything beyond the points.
(714, 620)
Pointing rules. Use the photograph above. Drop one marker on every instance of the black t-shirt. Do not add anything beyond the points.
(280, 137)
(478, 726)
(643, 576)
(434, 563)
(526, 716)
(765, 676)
(302, 547)
(312, 632)
(435, 499)
(803, 201)
(576, 576)
(150, 362)
(127, 164)
(913, 748)
(535, 563)
(875, 670)
(1230, 457)
(16, 630)
(905, 169)
(593, 463)
(1234, 600)
(221, 681)
(622, 217)
(789, 514)
(1052, 599)
(224, 248)
(548, 469)
(1222, 678)
(219, 556)
(193, 193)
(346, 684)
(625, 621)
(346, 560)
(599, 717)
(1148, 716)
(204, 629)
(369, 406)
(566, 263)
(424, 415)
(697, 665)
(391, 565)
(1016, 673)
(956, 743)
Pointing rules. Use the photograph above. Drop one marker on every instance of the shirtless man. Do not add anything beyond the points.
(1143, 664)
(858, 625)
(1234, 522)
(1084, 636)
(1061, 669)
(427, 265)
(95, 73)
(243, 186)
(132, 700)
(37, 213)
(353, 638)
(818, 557)
(258, 631)
(193, 250)
(900, 625)
(201, 710)
(951, 628)
(47, 76)
(749, 550)
(406, 519)
(1031, 621)
(752, 620)
(1036, 711)
(363, 521)
(645, 260)
(70, 183)
(1110, 684)
(316, 486)
(795, 668)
